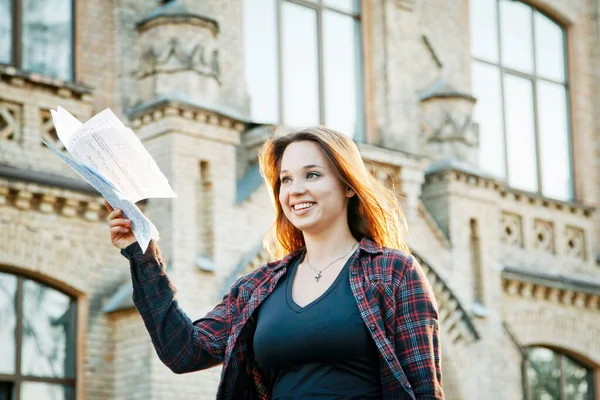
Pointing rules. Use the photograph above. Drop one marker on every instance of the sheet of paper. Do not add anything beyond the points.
(65, 125)
(105, 145)
(142, 227)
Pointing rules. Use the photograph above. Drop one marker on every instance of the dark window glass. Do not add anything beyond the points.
(37, 332)
(5, 31)
(47, 37)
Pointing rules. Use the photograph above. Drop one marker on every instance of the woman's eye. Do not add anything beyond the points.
(285, 180)
(312, 175)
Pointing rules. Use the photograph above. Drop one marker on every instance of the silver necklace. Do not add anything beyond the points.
(318, 276)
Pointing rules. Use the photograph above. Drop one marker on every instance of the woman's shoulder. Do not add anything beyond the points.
(390, 262)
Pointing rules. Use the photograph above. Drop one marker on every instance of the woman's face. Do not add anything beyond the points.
(312, 196)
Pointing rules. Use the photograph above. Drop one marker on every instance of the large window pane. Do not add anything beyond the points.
(260, 30)
(5, 31)
(46, 391)
(484, 29)
(543, 374)
(577, 379)
(517, 46)
(549, 48)
(488, 115)
(48, 328)
(300, 65)
(341, 45)
(8, 323)
(48, 37)
(554, 141)
(520, 133)
(351, 6)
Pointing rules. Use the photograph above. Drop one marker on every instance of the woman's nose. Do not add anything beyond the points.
(297, 187)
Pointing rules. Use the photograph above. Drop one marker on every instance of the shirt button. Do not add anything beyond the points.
(390, 357)
(354, 273)
(372, 327)
(360, 297)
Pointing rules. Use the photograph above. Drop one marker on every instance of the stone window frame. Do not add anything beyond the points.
(370, 133)
(534, 78)
(10, 384)
(592, 374)
(17, 41)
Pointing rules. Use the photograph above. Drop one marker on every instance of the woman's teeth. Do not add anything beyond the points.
(302, 206)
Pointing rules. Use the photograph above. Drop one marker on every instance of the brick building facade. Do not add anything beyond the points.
(482, 114)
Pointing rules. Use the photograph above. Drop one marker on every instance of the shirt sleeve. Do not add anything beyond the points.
(417, 332)
(182, 345)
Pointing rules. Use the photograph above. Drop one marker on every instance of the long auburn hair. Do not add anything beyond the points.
(373, 212)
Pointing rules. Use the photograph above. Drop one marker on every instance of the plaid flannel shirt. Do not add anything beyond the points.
(391, 290)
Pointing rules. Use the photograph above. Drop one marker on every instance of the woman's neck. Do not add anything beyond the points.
(327, 246)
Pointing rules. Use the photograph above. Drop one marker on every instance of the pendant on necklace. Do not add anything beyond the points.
(318, 276)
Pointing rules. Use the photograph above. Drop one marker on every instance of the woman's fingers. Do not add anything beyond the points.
(119, 222)
(118, 229)
(108, 206)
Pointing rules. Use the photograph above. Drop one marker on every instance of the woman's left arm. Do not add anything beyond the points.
(417, 332)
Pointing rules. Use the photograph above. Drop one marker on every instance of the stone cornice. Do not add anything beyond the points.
(49, 194)
(32, 80)
(454, 171)
(29, 196)
(566, 290)
(45, 179)
(194, 111)
(192, 19)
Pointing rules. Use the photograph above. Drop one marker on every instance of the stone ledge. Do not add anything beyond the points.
(453, 170)
(174, 12)
(49, 194)
(568, 290)
(168, 106)
(18, 78)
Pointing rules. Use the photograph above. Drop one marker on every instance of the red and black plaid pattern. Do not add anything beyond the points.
(391, 290)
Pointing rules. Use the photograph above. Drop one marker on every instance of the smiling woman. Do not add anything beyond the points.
(310, 325)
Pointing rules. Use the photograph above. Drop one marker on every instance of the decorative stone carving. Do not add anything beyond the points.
(511, 229)
(10, 118)
(179, 56)
(176, 56)
(47, 130)
(447, 127)
(544, 236)
(574, 242)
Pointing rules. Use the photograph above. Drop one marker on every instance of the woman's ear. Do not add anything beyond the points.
(350, 192)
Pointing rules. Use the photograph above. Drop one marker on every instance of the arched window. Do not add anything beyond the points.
(37, 341)
(550, 375)
(519, 77)
(303, 63)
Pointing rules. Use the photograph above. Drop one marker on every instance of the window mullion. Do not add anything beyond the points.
(535, 109)
(17, 27)
(321, 72)
(279, 61)
(561, 377)
(502, 99)
(19, 341)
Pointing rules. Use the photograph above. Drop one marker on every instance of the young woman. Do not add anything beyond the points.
(346, 313)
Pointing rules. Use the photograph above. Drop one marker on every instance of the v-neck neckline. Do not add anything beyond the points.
(290, 282)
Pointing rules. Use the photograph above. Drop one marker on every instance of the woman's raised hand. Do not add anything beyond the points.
(121, 234)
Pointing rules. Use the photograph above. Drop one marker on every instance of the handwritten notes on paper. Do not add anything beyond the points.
(111, 158)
